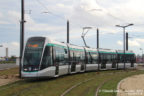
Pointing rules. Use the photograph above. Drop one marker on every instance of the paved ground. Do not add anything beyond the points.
(140, 66)
(132, 86)
(6, 66)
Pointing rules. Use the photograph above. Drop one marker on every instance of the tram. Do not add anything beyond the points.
(43, 57)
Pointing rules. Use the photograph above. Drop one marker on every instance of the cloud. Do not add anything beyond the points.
(14, 17)
(44, 27)
(1, 15)
(118, 12)
(4, 22)
(13, 48)
(139, 40)
(102, 14)
(16, 44)
(32, 25)
(133, 43)
(120, 43)
(1, 19)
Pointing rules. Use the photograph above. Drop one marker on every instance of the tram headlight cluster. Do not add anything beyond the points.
(25, 69)
(35, 69)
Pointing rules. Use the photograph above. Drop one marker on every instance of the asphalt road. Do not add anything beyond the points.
(7, 66)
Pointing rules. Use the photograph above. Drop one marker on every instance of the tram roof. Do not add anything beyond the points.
(127, 51)
(53, 42)
(91, 49)
(101, 50)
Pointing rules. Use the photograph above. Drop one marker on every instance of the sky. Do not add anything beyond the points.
(49, 17)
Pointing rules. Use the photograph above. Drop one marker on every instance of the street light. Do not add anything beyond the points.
(124, 37)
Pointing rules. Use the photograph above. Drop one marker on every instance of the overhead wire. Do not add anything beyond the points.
(109, 14)
(49, 12)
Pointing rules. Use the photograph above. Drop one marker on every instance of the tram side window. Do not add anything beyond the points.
(71, 55)
(133, 60)
(94, 57)
(112, 58)
(109, 58)
(89, 58)
(102, 57)
(77, 56)
(121, 58)
(60, 55)
(128, 58)
(115, 58)
(47, 58)
(82, 57)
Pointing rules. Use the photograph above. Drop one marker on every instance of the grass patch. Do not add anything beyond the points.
(111, 85)
(7, 62)
(56, 86)
(9, 71)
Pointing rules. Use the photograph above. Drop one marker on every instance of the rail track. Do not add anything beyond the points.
(77, 84)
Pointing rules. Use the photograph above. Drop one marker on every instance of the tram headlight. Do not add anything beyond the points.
(35, 69)
(25, 69)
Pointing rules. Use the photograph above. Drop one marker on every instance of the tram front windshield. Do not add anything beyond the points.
(33, 53)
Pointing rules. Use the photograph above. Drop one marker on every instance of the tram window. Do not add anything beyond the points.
(89, 58)
(65, 51)
(94, 58)
(71, 55)
(33, 51)
(82, 56)
(128, 58)
(77, 56)
(108, 58)
(101, 56)
(47, 58)
(60, 55)
(120, 58)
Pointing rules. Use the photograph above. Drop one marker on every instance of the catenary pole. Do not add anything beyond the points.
(127, 41)
(67, 31)
(21, 35)
(97, 38)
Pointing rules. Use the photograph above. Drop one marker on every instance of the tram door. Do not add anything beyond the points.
(56, 60)
(104, 61)
(113, 64)
(73, 62)
(113, 58)
(82, 61)
(57, 70)
(82, 67)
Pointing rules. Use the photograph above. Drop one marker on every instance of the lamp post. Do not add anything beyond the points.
(124, 38)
